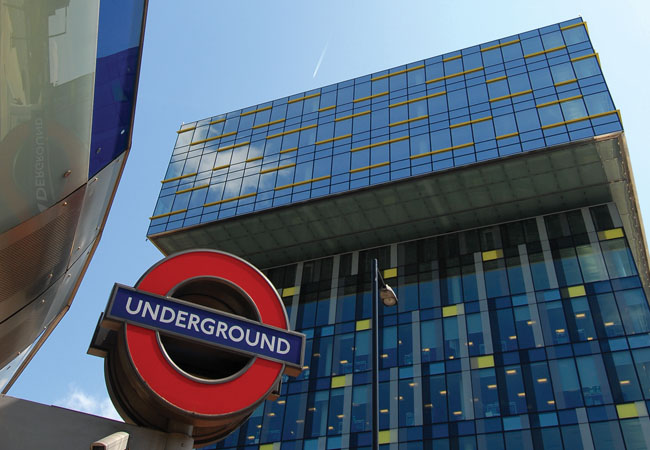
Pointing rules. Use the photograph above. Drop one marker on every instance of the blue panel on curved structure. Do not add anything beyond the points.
(118, 55)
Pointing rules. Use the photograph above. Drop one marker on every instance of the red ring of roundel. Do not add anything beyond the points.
(183, 392)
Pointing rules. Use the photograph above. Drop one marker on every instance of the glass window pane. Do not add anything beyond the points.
(554, 325)
(406, 402)
(540, 387)
(565, 383)
(622, 376)
(595, 388)
(524, 324)
(486, 394)
(634, 310)
(452, 339)
(583, 328)
(361, 413)
(316, 415)
(606, 318)
(431, 340)
(456, 396)
(475, 340)
(642, 363)
(434, 393)
(516, 394)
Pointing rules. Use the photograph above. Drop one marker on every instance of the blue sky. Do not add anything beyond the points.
(204, 57)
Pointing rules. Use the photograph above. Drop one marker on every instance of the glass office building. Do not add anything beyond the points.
(493, 185)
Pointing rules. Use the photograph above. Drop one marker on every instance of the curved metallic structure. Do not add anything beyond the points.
(68, 81)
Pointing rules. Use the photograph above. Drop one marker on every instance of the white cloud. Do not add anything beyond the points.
(79, 400)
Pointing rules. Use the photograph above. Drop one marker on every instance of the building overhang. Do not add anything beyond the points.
(537, 182)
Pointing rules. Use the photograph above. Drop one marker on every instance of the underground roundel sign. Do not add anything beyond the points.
(200, 341)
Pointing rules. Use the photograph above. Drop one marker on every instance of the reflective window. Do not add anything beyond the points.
(595, 389)
(457, 393)
(634, 311)
(361, 412)
(565, 383)
(486, 398)
(515, 391)
(431, 338)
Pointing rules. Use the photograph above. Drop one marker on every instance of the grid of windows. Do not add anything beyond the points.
(520, 93)
(530, 334)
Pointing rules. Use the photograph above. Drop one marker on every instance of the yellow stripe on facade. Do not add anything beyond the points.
(482, 362)
(291, 131)
(543, 52)
(562, 83)
(160, 216)
(376, 144)
(179, 178)
(446, 77)
(186, 129)
(469, 122)
(576, 291)
(406, 102)
(506, 136)
(286, 166)
(362, 325)
(614, 233)
(290, 291)
(337, 138)
(450, 311)
(268, 124)
(390, 273)
(182, 191)
(228, 147)
(225, 166)
(289, 150)
(399, 72)
(562, 100)
(327, 108)
(256, 158)
(266, 108)
(627, 410)
(300, 183)
(442, 150)
(231, 199)
(217, 121)
(579, 119)
(516, 94)
(214, 138)
(451, 58)
(491, 255)
(373, 166)
(402, 122)
(496, 79)
(362, 113)
(370, 97)
(492, 47)
(317, 94)
(580, 58)
(338, 382)
(573, 25)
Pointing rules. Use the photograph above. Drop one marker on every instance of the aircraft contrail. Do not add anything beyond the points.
(320, 60)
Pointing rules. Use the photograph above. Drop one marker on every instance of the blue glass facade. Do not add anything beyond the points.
(510, 334)
(519, 93)
(529, 334)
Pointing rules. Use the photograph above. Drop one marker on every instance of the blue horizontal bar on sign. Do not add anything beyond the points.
(206, 325)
